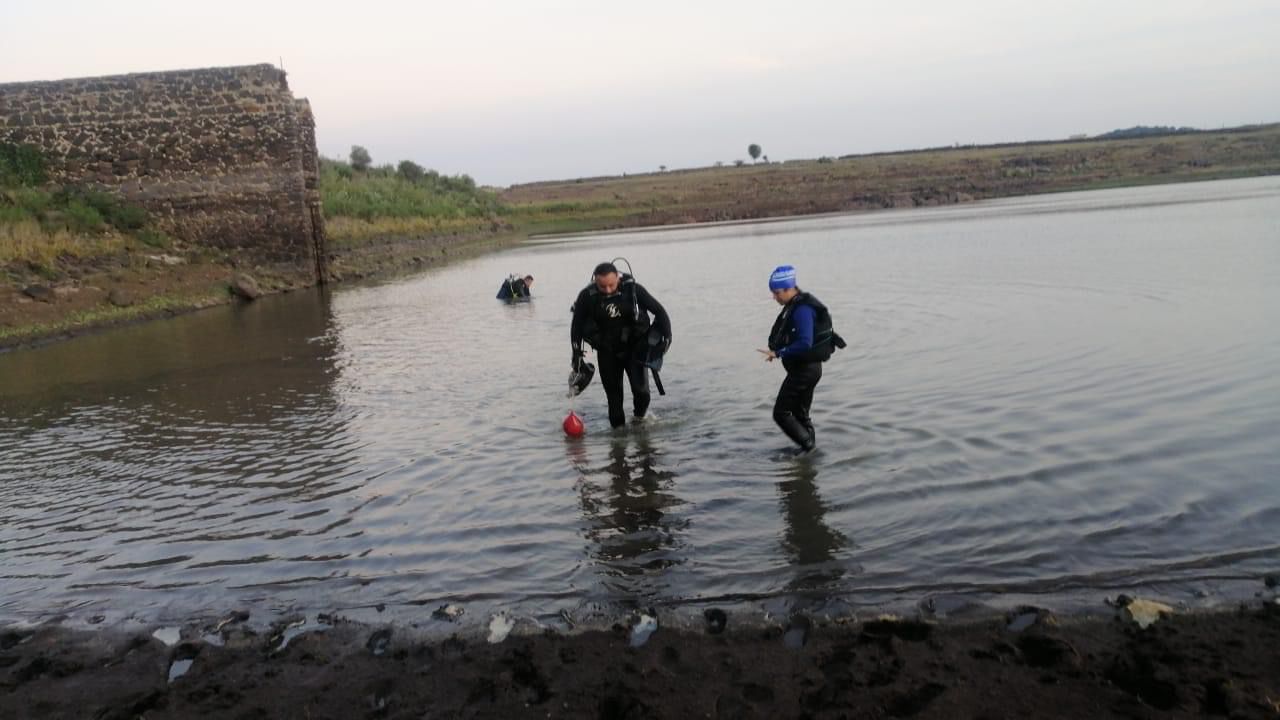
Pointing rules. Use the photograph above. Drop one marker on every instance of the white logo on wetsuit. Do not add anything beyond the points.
(613, 310)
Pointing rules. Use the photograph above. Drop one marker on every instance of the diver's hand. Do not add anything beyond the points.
(768, 354)
(576, 361)
(666, 344)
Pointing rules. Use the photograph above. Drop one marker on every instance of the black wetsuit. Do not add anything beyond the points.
(513, 289)
(803, 366)
(617, 326)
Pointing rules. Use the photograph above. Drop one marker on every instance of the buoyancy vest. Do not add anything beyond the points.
(615, 320)
(825, 338)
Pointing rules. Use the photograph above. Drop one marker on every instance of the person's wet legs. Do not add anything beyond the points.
(806, 402)
(611, 371)
(798, 433)
(638, 376)
(807, 422)
(791, 409)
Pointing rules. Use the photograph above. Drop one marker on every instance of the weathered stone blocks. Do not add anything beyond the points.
(224, 157)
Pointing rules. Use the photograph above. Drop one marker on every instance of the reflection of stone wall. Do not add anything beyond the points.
(223, 156)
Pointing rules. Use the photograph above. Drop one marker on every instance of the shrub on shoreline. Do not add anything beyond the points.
(21, 165)
(407, 191)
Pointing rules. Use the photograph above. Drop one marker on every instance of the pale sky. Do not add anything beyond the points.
(511, 91)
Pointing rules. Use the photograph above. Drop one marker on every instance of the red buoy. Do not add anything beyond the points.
(573, 426)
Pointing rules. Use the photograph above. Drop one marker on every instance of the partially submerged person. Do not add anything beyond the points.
(612, 314)
(516, 288)
(803, 338)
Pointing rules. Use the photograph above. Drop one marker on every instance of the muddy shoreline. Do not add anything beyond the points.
(79, 304)
(1028, 663)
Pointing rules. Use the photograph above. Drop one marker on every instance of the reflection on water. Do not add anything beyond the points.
(1068, 395)
(811, 544)
(134, 462)
(628, 504)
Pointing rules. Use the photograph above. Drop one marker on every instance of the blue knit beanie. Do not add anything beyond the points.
(783, 277)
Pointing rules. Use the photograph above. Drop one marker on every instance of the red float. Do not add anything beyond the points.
(573, 426)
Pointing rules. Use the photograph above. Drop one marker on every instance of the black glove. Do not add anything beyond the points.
(577, 358)
(666, 344)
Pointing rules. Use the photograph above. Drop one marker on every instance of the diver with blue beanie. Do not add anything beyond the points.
(802, 338)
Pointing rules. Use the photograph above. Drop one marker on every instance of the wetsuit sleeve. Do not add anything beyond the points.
(803, 317)
(578, 326)
(660, 318)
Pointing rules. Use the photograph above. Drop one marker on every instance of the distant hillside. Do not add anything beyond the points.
(1138, 131)
(893, 180)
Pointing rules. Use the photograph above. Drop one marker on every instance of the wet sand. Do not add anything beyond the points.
(1224, 663)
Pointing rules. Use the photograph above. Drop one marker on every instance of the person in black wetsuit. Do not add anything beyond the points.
(516, 288)
(803, 338)
(612, 315)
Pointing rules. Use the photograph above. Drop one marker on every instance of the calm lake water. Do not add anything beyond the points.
(1053, 398)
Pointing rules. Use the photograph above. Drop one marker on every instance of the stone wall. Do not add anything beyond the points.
(223, 157)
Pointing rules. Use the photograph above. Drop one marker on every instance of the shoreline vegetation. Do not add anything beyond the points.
(76, 260)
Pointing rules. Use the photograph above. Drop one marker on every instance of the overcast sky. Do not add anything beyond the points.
(518, 90)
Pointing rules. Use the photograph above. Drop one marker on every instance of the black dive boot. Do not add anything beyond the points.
(795, 430)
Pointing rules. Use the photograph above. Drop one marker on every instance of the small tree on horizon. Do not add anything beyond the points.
(360, 159)
(410, 170)
(754, 151)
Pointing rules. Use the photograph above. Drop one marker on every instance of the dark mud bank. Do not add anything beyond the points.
(1028, 664)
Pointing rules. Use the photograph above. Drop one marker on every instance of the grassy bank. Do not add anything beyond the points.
(362, 206)
(43, 231)
(74, 258)
(387, 219)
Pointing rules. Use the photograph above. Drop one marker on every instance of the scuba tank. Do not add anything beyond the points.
(625, 279)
